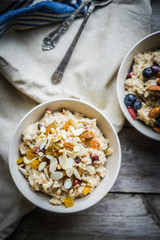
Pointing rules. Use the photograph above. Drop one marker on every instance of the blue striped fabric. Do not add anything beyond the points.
(25, 14)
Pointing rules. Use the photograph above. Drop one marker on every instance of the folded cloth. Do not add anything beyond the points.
(25, 14)
(90, 75)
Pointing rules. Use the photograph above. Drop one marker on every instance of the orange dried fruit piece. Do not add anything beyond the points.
(83, 139)
(48, 128)
(35, 164)
(86, 190)
(20, 160)
(94, 144)
(68, 202)
(67, 124)
(88, 135)
(68, 146)
(31, 154)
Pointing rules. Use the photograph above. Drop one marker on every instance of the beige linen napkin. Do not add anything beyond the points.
(90, 76)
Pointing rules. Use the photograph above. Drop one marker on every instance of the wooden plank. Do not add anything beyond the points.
(152, 203)
(117, 216)
(155, 26)
(140, 168)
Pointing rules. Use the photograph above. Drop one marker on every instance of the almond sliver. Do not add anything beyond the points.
(23, 171)
(78, 132)
(42, 166)
(69, 172)
(68, 184)
(76, 173)
(56, 175)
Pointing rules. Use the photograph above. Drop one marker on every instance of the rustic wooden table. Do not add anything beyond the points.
(130, 211)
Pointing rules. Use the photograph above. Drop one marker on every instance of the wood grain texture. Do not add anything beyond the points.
(140, 167)
(155, 21)
(152, 203)
(117, 216)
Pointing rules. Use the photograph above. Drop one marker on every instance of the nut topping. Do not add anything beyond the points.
(156, 129)
(155, 88)
(155, 112)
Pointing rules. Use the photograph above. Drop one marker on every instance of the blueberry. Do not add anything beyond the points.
(158, 121)
(148, 73)
(129, 99)
(137, 105)
(156, 69)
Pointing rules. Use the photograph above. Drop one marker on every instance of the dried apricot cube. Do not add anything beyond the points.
(31, 154)
(20, 160)
(86, 190)
(66, 125)
(68, 146)
(68, 201)
(88, 135)
(35, 164)
(94, 144)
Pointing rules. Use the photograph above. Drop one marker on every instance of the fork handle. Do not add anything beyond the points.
(51, 40)
(58, 74)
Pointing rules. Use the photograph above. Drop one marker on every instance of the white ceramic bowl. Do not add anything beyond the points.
(149, 43)
(113, 163)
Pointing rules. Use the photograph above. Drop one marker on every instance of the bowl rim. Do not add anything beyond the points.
(125, 112)
(69, 210)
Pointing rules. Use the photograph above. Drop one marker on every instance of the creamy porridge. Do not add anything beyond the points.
(143, 89)
(64, 156)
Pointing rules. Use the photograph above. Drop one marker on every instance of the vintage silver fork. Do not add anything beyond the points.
(51, 40)
(58, 74)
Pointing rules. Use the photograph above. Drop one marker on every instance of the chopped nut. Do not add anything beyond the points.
(156, 129)
(155, 88)
(155, 112)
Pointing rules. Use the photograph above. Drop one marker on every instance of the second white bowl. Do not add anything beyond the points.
(149, 43)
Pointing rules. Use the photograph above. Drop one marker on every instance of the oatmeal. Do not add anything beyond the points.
(64, 156)
(143, 89)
